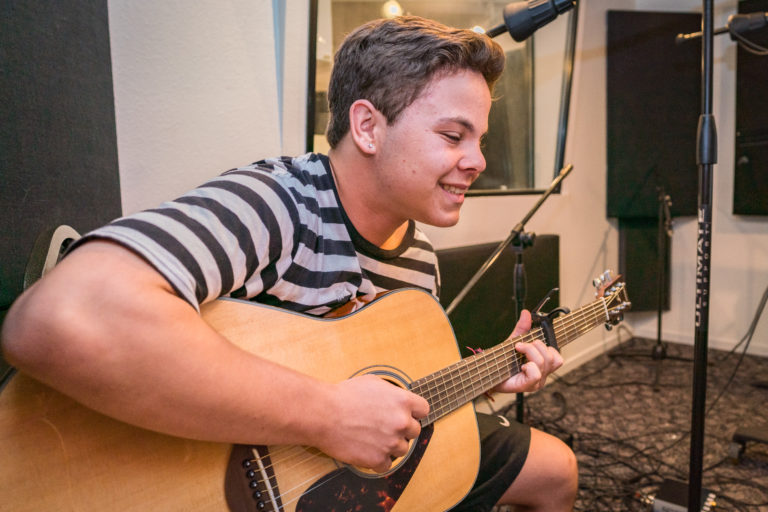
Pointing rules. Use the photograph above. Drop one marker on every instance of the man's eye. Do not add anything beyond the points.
(452, 137)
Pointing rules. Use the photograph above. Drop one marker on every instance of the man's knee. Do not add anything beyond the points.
(549, 479)
(569, 470)
(562, 467)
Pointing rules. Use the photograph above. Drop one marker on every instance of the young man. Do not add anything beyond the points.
(409, 101)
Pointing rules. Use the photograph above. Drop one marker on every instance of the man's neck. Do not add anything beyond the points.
(351, 173)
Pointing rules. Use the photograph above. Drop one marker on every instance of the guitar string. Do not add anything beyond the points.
(320, 469)
(298, 451)
(299, 487)
(562, 329)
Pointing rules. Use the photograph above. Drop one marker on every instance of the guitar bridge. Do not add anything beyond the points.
(250, 482)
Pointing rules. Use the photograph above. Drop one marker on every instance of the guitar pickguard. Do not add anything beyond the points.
(345, 491)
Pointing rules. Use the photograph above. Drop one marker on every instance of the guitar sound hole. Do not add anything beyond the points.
(397, 378)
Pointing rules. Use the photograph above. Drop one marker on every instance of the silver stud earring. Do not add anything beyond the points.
(370, 145)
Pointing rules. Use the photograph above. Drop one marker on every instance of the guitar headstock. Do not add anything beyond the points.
(613, 290)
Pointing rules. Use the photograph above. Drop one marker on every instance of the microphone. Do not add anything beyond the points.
(521, 19)
(741, 23)
(737, 25)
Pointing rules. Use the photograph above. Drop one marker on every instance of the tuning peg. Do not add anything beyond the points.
(603, 278)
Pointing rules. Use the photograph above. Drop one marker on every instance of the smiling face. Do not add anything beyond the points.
(428, 158)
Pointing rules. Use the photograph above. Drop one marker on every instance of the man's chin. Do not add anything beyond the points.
(442, 222)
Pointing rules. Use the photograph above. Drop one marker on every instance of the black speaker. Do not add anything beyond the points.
(653, 104)
(750, 190)
(58, 145)
(639, 263)
(486, 315)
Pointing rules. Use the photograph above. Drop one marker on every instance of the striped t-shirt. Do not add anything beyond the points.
(273, 232)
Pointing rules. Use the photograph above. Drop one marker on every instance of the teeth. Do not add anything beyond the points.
(452, 189)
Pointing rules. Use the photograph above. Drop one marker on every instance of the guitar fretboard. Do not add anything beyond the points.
(450, 388)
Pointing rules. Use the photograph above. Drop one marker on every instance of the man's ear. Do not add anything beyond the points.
(364, 122)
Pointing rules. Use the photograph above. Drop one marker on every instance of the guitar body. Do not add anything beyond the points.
(56, 454)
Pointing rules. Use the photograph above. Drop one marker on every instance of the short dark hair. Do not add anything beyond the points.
(390, 61)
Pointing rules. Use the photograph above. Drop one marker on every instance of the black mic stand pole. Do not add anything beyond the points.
(517, 236)
(706, 156)
(520, 288)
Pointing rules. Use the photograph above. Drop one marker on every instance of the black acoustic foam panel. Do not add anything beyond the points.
(653, 105)
(58, 148)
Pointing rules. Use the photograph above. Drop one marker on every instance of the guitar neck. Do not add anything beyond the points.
(450, 388)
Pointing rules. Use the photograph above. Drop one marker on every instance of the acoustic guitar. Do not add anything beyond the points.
(58, 455)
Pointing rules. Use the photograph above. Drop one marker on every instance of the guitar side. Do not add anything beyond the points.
(59, 455)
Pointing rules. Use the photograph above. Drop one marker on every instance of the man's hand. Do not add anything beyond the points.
(374, 422)
(542, 360)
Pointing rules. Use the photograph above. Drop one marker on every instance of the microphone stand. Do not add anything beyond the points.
(520, 239)
(706, 157)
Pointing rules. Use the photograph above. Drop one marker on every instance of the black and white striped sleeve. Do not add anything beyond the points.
(233, 232)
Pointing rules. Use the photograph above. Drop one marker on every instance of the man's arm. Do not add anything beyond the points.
(107, 329)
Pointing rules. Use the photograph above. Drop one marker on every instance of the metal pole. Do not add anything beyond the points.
(706, 158)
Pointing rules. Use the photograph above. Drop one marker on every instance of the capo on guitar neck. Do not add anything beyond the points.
(545, 319)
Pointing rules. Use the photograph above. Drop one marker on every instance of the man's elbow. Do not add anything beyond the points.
(30, 335)
(16, 330)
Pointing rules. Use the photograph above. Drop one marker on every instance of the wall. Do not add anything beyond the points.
(196, 93)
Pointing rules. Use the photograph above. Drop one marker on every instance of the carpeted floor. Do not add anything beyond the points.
(630, 434)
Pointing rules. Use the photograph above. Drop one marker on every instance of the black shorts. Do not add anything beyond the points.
(503, 450)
